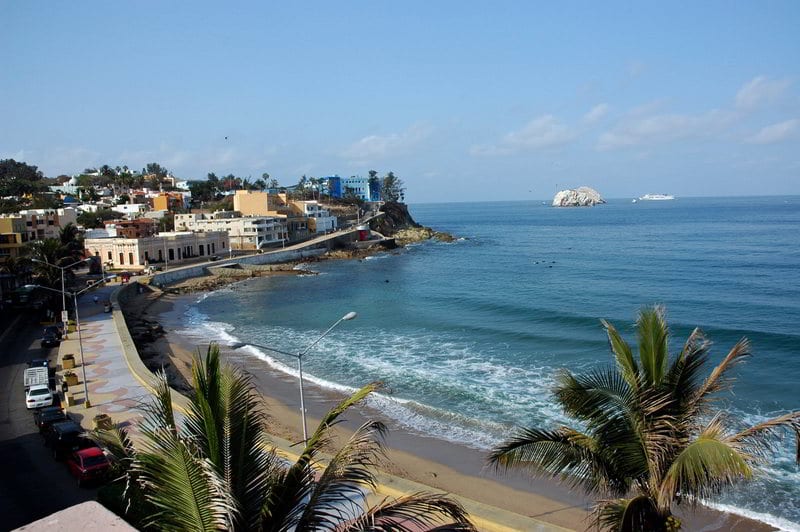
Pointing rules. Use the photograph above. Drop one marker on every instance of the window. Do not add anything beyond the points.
(171, 254)
(160, 256)
(130, 258)
(109, 255)
(200, 247)
(122, 258)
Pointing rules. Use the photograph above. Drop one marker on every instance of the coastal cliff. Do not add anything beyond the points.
(397, 223)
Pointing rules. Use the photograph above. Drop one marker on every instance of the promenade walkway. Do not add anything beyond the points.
(118, 382)
(112, 388)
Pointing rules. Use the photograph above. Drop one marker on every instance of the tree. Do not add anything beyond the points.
(203, 190)
(156, 169)
(93, 220)
(653, 436)
(216, 470)
(392, 189)
(18, 178)
(71, 241)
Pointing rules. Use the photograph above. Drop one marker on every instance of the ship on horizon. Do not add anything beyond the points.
(657, 197)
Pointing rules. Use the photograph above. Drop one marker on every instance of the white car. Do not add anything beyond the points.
(38, 396)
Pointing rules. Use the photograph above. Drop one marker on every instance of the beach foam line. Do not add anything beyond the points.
(772, 520)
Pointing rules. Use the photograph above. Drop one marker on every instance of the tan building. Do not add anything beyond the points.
(44, 223)
(164, 248)
(250, 232)
(303, 218)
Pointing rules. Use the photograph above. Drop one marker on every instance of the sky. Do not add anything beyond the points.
(464, 101)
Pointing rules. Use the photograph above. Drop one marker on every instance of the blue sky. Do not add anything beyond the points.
(462, 100)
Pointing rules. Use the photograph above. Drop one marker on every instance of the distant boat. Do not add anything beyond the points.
(657, 197)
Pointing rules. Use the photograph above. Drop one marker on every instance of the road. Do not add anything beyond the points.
(33, 484)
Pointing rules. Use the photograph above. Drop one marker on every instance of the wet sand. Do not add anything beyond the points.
(444, 465)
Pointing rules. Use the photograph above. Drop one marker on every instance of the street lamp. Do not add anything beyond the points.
(299, 356)
(87, 403)
(63, 269)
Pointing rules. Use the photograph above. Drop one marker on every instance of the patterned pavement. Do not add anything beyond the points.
(113, 389)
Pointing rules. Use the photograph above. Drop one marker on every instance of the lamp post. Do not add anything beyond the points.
(63, 269)
(87, 403)
(299, 356)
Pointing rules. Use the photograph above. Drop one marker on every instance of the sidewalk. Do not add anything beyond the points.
(113, 390)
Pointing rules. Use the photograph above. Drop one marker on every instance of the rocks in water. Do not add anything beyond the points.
(577, 197)
(397, 222)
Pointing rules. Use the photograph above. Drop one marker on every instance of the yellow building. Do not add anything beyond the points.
(13, 236)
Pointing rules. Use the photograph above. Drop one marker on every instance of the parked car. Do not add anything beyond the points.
(38, 362)
(53, 329)
(44, 417)
(38, 396)
(50, 339)
(88, 464)
(213, 258)
(66, 437)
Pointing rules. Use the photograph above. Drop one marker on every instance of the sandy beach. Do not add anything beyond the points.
(443, 465)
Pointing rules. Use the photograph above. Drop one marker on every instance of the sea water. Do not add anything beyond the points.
(469, 335)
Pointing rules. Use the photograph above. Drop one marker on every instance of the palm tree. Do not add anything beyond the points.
(652, 435)
(215, 470)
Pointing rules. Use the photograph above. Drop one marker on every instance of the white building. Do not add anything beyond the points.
(164, 248)
(130, 209)
(248, 232)
(319, 218)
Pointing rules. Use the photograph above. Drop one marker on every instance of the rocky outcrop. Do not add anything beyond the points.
(397, 222)
(578, 197)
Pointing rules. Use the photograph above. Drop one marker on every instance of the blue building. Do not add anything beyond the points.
(334, 186)
(338, 187)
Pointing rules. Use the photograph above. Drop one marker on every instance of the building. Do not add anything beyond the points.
(250, 232)
(171, 201)
(130, 209)
(44, 223)
(319, 218)
(251, 203)
(138, 228)
(164, 248)
(13, 236)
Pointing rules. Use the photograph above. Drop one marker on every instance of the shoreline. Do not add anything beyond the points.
(448, 466)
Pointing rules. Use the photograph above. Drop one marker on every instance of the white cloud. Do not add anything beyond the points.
(775, 132)
(373, 148)
(662, 128)
(540, 133)
(760, 91)
(596, 113)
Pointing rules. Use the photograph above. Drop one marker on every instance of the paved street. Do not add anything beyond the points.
(33, 485)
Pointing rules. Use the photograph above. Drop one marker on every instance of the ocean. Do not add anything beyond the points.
(468, 335)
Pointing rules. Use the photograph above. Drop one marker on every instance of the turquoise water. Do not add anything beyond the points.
(469, 334)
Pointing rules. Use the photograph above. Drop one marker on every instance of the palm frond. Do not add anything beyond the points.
(184, 487)
(411, 513)
(284, 502)
(651, 329)
(596, 397)
(719, 379)
(158, 413)
(759, 440)
(683, 377)
(623, 354)
(226, 421)
(566, 454)
(345, 478)
(704, 467)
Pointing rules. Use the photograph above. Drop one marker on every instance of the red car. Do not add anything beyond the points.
(88, 464)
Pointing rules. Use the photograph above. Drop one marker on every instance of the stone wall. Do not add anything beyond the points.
(179, 274)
